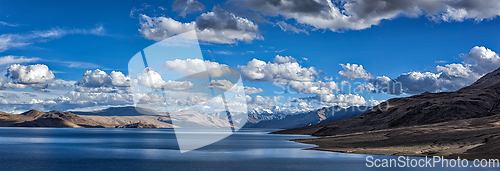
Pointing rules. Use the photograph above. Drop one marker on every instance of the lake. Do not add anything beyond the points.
(156, 149)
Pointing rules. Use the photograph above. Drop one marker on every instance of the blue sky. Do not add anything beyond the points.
(389, 41)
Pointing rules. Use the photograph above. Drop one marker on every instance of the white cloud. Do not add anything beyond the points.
(38, 77)
(369, 87)
(354, 71)
(96, 78)
(263, 100)
(362, 14)
(8, 24)
(318, 87)
(15, 85)
(151, 78)
(31, 74)
(342, 100)
(119, 79)
(8, 41)
(218, 26)
(419, 82)
(284, 59)
(99, 78)
(16, 60)
(258, 70)
(194, 66)
(344, 82)
(253, 90)
(62, 83)
(450, 77)
(477, 62)
(178, 85)
(288, 27)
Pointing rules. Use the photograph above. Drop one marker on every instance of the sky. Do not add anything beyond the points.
(295, 54)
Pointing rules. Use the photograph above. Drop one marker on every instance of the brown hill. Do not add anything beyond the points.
(35, 118)
(481, 99)
(466, 120)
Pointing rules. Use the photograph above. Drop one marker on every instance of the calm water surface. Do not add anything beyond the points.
(156, 149)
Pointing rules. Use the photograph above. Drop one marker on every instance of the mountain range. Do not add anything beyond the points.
(461, 123)
(129, 115)
(321, 115)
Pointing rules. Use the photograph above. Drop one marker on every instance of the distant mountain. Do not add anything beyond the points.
(124, 117)
(325, 114)
(34, 118)
(259, 114)
(121, 111)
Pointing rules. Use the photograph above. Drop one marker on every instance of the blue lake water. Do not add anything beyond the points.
(156, 149)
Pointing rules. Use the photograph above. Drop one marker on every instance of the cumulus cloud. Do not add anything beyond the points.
(263, 100)
(96, 78)
(284, 59)
(151, 78)
(258, 70)
(218, 26)
(70, 100)
(119, 79)
(16, 60)
(39, 77)
(362, 14)
(187, 6)
(178, 85)
(342, 100)
(99, 78)
(354, 71)
(318, 87)
(194, 66)
(31, 74)
(450, 77)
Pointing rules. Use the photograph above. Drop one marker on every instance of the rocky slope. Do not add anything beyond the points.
(481, 99)
(34, 118)
(470, 112)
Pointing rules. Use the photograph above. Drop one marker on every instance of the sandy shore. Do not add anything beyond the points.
(469, 139)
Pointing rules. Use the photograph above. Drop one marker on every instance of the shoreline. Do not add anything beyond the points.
(449, 139)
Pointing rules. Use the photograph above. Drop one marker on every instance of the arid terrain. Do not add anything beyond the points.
(464, 123)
